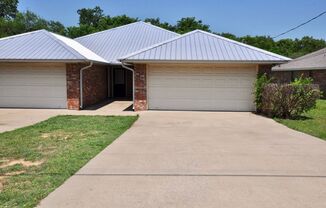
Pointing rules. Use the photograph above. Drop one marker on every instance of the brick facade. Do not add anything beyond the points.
(319, 76)
(94, 85)
(140, 101)
(73, 92)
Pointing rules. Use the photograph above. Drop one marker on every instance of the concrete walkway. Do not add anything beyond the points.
(11, 118)
(201, 159)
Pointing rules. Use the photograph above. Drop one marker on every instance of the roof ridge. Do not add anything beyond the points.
(70, 49)
(122, 26)
(159, 28)
(111, 29)
(22, 34)
(245, 45)
(157, 45)
(314, 53)
(308, 56)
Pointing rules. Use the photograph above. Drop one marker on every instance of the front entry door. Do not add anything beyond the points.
(119, 83)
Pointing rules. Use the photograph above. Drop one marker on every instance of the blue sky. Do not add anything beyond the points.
(240, 17)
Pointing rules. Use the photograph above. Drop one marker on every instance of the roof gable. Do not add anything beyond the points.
(203, 46)
(120, 41)
(43, 45)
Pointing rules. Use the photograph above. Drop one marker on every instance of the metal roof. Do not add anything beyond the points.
(42, 45)
(113, 43)
(201, 46)
(315, 60)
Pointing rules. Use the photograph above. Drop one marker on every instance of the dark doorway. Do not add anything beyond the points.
(120, 83)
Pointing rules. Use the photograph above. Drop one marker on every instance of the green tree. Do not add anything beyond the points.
(8, 8)
(26, 22)
(56, 27)
(264, 42)
(77, 31)
(157, 22)
(188, 24)
(307, 45)
(88, 16)
(228, 35)
(116, 21)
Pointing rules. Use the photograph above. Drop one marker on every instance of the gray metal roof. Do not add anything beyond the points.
(201, 46)
(315, 60)
(42, 45)
(120, 41)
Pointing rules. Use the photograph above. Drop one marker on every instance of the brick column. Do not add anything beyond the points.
(73, 93)
(140, 87)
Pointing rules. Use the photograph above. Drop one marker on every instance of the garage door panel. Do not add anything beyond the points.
(201, 88)
(187, 104)
(33, 86)
(31, 91)
(33, 81)
(199, 93)
(28, 103)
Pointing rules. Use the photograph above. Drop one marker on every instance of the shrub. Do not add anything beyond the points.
(260, 83)
(289, 100)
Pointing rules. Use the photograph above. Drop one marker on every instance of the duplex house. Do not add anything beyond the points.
(155, 67)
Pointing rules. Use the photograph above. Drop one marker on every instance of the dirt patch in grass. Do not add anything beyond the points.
(6, 175)
(22, 162)
(58, 135)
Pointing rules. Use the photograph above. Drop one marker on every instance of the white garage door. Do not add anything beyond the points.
(33, 86)
(201, 88)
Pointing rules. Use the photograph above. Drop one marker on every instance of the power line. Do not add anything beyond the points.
(319, 15)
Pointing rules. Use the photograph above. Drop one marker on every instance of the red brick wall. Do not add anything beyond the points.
(94, 85)
(319, 77)
(72, 72)
(140, 101)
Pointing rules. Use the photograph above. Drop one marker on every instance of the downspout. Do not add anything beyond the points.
(81, 82)
(133, 83)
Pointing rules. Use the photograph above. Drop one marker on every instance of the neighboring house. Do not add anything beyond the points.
(311, 65)
(194, 71)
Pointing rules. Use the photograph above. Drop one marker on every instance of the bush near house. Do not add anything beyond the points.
(285, 100)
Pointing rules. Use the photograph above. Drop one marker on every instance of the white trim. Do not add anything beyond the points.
(147, 79)
(203, 62)
(49, 60)
(133, 82)
(81, 102)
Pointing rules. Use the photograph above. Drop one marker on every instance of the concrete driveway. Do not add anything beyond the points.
(201, 159)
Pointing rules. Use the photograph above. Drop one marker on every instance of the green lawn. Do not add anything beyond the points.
(314, 124)
(37, 159)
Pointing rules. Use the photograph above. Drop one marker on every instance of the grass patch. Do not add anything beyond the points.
(37, 159)
(313, 122)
